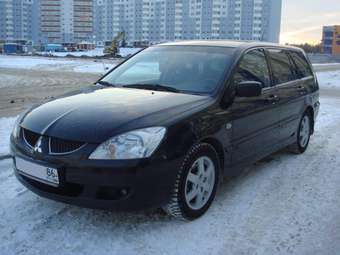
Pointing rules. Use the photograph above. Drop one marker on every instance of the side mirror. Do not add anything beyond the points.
(249, 89)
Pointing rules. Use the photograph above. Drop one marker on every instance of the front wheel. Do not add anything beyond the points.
(196, 183)
(303, 134)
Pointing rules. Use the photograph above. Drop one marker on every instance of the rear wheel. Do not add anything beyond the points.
(196, 183)
(303, 134)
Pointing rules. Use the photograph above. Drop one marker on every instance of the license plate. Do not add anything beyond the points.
(47, 175)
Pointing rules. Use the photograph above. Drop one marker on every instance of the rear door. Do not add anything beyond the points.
(256, 119)
(290, 89)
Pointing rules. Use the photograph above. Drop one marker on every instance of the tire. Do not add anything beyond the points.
(303, 134)
(196, 183)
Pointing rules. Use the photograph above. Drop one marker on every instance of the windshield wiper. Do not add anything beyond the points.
(157, 87)
(105, 83)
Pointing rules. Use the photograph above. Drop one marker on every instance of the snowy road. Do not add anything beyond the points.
(286, 204)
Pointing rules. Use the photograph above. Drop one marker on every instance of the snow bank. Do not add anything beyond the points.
(6, 126)
(128, 51)
(92, 53)
(60, 64)
(329, 79)
(28, 62)
(53, 64)
(325, 64)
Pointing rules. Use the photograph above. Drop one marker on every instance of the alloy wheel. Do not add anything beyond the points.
(304, 132)
(200, 183)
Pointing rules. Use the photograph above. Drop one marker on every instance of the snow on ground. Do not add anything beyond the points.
(287, 204)
(55, 64)
(128, 51)
(326, 64)
(92, 53)
(6, 126)
(97, 52)
(329, 80)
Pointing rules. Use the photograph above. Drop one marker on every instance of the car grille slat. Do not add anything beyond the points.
(56, 146)
(60, 146)
(30, 137)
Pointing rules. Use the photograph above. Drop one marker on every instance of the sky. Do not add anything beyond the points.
(302, 20)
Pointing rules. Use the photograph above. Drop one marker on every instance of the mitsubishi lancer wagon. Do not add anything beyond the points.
(162, 128)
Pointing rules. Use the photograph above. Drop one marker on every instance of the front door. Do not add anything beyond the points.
(255, 120)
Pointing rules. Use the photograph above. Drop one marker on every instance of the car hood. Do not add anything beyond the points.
(96, 114)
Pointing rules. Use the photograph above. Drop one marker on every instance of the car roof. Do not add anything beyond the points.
(228, 43)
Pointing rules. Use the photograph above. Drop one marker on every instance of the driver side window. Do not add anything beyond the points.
(253, 67)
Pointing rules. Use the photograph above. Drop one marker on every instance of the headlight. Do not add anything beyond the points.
(135, 144)
(16, 129)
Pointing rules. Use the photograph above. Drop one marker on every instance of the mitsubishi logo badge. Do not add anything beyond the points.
(37, 148)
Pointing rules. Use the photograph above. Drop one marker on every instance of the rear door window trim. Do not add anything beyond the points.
(271, 68)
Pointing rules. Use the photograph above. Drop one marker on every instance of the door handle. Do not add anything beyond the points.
(273, 99)
(301, 88)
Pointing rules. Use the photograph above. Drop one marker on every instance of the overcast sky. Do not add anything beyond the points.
(302, 20)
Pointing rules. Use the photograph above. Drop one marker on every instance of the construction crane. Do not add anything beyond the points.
(114, 48)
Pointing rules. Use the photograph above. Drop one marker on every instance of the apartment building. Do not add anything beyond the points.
(331, 40)
(154, 21)
(143, 21)
(50, 21)
(82, 20)
(19, 20)
(66, 21)
(6, 20)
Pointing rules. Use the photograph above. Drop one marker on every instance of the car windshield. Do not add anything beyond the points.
(191, 69)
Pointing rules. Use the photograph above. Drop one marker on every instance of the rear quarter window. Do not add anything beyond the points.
(281, 66)
(302, 67)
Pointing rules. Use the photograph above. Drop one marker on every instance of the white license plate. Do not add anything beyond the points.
(38, 172)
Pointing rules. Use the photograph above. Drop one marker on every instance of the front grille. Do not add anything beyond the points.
(30, 137)
(51, 145)
(60, 146)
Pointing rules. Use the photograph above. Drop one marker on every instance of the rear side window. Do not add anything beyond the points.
(253, 67)
(302, 67)
(281, 66)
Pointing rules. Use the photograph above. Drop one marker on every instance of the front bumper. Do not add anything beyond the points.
(118, 185)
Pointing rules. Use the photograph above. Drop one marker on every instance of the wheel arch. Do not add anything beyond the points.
(218, 148)
(309, 110)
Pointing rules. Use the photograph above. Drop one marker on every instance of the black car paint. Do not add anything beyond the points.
(242, 130)
(97, 114)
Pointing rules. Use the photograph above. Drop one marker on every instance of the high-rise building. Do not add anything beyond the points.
(6, 20)
(82, 20)
(19, 20)
(66, 21)
(331, 40)
(50, 21)
(142, 21)
(154, 21)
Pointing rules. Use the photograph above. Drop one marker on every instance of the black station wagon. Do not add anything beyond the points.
(162, 128)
